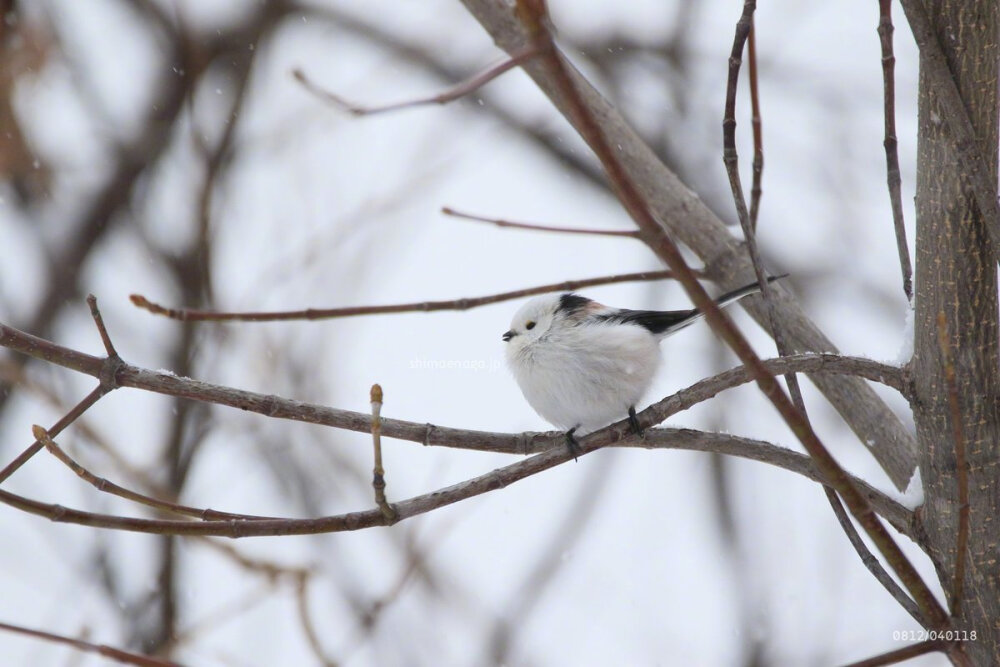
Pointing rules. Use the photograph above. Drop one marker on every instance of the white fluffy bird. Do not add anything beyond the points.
(583, 365)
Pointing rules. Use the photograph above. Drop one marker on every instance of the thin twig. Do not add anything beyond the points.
(195, 315)
(885, 30)
(870, 561)
(729, 155)
(464, 88)
(534, 17)
(441, 65)
(627, 233)
(755, 123)
(101, 329)
(961, 470)
(117, 654)
(901, 654)
(57, 428)
(744, 31)
(378, 472)
(107, 375)
(748, 224)
(14, 373)
(106, 486)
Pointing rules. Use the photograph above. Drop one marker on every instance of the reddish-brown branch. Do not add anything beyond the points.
(111, 652)
(195, 315)
(901, 654)
(627, 233)
(461, 90)
(885, 30)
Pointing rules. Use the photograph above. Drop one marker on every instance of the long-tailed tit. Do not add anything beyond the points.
(583, 365)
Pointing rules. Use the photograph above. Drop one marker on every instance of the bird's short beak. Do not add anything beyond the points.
(508, 335)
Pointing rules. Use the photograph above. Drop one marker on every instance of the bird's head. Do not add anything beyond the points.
(541, 315)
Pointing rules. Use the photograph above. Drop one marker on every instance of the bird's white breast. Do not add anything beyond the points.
(586, 376)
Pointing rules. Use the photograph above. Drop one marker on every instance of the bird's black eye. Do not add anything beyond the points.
(529, 326)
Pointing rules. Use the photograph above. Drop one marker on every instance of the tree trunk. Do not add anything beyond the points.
(956, 276)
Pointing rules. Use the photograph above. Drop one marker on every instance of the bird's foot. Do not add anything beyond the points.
(572, 444)
(633, 422)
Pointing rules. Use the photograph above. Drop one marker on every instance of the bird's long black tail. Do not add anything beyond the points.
(663, 323)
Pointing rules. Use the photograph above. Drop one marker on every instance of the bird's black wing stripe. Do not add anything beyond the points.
(570, 303)
(656, 321)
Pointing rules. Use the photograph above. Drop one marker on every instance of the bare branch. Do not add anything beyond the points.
(744, 30)
(885, 30)
(901, 654)
(729, 155)
(116, 654)
(628, 233)
(276, 407)
(870, 561)
(755, 123)
(415, 52)
(748, 221)
(555, 454)
(461, 90)
(107, 375)
(896, 514)
(428, 434)
(101, 329)
(195, 315)
(58, 427)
